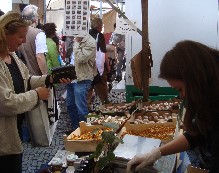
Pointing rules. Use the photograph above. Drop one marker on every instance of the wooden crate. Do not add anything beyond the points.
(138, 128)
(90, 145)
(85, 127)
(82, 145)
(173, 109)
(148, 113)
(79, 145)
(120, 109)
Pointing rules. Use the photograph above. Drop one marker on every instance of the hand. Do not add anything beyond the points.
(43, 93)
(140, 161)
(78, 39)
(63, 80)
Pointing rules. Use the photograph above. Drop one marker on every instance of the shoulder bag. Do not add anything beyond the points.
(41, 125)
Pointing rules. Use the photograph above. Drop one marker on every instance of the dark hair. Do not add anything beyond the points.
(56, 39)
(114, 25)
(96, 22)
(39, 25)
(49, 29)
(197, 66)
(1, 13)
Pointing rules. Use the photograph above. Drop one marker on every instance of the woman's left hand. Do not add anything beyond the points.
(63, 80)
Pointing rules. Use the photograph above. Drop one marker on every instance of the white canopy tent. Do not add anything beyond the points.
(55, 13)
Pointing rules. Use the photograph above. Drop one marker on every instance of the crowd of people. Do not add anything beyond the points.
(28, 53)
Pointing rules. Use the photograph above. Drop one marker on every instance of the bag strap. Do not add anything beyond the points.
(56, 107)
(28, 83)
(97, 38)
(53, 110)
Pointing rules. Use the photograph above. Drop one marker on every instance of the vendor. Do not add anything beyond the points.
(193, 69)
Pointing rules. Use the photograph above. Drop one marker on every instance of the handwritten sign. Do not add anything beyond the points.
(123, 26)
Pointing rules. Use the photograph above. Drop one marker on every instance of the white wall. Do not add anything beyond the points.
(56, 16)
(6, 5)
(171, 21)
(21, 1)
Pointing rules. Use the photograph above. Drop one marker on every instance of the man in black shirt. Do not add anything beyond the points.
(100, 88)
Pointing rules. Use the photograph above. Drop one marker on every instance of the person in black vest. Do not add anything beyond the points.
(35, 48)
(100, 87)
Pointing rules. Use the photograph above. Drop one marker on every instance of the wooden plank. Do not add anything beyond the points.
(145, 51)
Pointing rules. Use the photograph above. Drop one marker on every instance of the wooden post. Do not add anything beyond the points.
(145, 65)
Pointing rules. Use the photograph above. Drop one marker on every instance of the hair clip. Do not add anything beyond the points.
(26, 18)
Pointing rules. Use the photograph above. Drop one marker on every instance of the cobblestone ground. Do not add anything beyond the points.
(34, 157)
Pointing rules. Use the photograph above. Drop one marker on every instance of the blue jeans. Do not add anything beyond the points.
(76, 101)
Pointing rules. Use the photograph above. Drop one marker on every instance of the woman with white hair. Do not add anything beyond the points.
(35, 47)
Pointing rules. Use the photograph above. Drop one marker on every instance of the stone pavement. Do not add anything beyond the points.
(34, 157)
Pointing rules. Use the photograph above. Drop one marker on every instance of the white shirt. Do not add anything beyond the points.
(72, 59)
(40, 42)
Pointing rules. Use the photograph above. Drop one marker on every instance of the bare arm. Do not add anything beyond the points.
(179, 144)
(41, 60)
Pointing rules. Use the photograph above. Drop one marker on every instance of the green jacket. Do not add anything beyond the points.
(52, 55)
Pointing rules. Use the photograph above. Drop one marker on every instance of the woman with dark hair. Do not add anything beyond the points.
(193, 69)
(53, 53)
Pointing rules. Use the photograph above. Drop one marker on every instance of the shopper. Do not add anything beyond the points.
(85, 66)
(52, 56)
(193, 69)
(35, 47)
(118, 41)
(15, 99)
(100, 85)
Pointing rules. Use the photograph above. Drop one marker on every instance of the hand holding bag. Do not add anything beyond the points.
(67, 71)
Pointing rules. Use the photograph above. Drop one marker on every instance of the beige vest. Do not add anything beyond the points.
(28, 49)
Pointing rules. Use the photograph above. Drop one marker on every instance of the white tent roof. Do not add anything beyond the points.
(93, 2)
